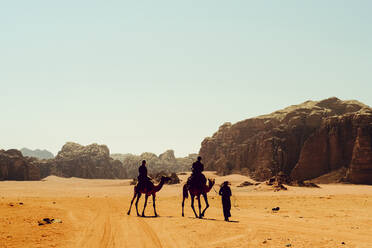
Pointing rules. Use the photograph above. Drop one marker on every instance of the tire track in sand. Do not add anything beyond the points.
(97, 232)
(150, 233)
(141, 234)
(107, 226)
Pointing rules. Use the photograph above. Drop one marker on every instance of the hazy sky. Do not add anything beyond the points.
(154, 75)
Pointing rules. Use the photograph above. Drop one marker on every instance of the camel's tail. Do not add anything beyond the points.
(185, 191)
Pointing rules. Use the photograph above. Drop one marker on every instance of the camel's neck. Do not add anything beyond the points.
(210, 186)
(159, 186)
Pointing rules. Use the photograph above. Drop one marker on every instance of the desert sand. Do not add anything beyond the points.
(94, 215)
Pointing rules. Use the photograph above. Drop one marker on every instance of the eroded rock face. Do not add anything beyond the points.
(361, 164)
(13, 166)
(92, 161)
(304, 141)
(334, 145)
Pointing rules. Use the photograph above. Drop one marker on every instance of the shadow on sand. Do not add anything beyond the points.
(210, 219)
(155, 216)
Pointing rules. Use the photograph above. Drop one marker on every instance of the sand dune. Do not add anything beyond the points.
(94, 215)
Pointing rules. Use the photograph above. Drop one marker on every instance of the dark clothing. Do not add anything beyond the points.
(142, 171)
(197, 167)
(225, 192)
(197, 179)
(143, 179)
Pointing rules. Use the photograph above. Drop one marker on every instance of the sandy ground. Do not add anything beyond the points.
(94, 215)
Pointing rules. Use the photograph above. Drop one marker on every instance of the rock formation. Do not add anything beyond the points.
(165, 162)
(337, 144)
(92, 161)
(304, 141)
(13, 166)
(40, 154)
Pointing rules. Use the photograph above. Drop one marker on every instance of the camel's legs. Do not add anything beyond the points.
(144, 206)
(138, 197)
(153, 203)
(199, 205)
(192, 205)
(134, 196)
(206, 203)
(184, 196)
(183, 205)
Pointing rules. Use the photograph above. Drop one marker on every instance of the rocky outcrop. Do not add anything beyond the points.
(173, 178)
(168, 156)
(92, 161)
(304, 141)
(13, 166)
(165, 162)
(40, 154)
(336, 176)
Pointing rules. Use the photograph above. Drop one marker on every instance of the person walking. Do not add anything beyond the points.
(225, 192)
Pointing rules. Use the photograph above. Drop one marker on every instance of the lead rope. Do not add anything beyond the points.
(235, 205)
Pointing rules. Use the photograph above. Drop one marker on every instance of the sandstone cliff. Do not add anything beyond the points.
(361, 163)
(13, 166)
(304, 141)
(339, 142)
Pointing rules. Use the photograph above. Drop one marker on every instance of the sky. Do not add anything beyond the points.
(147, 76)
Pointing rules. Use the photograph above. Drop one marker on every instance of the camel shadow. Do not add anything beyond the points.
(211, 219)
(150, 217)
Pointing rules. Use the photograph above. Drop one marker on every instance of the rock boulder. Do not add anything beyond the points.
(91, 161)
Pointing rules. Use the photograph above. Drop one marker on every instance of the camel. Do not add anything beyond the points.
(149, 189)
(197, 192)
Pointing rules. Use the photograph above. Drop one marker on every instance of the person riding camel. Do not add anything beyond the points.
(197, 178)
(143, 179)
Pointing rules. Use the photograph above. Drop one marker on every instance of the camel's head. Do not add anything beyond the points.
(211, 182)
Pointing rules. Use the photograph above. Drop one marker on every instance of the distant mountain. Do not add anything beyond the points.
(165, 162)
(41, 154)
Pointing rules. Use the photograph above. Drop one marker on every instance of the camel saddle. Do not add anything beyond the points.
(196, 181)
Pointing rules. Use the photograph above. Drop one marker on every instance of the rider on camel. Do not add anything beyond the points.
(197, 178)
(143, 179)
